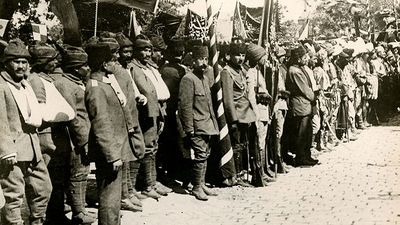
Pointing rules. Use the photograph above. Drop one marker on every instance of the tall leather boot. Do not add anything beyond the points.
(206, 189)
(280, 164)
(197, 174)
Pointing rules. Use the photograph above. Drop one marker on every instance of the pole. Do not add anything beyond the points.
(95, 17)
(227, 165)
(395, 15)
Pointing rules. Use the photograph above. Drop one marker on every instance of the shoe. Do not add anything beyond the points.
(139, 195)
(306, 162)
(242, 183)
(160, 190)
(135, 200)
(198, 192)
(209, 191)
(83, 218)
(162, 187)
(269, 179)
(151, 194)
(228, 182)
(53, 221)
(367, 124)
(126, 204)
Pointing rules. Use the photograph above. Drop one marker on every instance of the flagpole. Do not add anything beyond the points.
(226, 164)
(95, 17)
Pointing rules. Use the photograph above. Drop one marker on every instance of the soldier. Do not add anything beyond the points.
(301, 101)
(151, 115)
(159, 46)
(54, 138)
(23, 170)
(198, 119)
(240, 115)
(72, 87)
(172, 73)
(129, 200)
(109, 136)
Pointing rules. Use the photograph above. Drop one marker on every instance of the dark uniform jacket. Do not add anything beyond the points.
(146, 88)
(301, 94)
(15, 135)
(172, 74)
(235, 96)
(195, 105)
(108, 139)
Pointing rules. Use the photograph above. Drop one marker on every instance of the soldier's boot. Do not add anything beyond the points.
(126, 204)
(135, 200)
(197, 174)
(206, 189)
(281, 168)
(133, 173)
(153, 169)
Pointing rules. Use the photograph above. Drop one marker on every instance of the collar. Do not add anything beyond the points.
(73, 78)
(7, 77)
(139, 64)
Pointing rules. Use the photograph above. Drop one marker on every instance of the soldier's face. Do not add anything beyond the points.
(126, 53)
(156, 56)
(144, 54)
(17, 68)
(303, 60)
(237, 59)
(200, 63)
(50, 66)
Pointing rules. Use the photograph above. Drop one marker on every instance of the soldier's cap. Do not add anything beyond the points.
(74, 57)
(176, 45)
(98, 53)
(142, 41)
(255, 53)
(42, 53)
(349, 52)
(298, 52)
(158, 43)
(111, 42)
(123, 41)
(15, 49)
(199, 51)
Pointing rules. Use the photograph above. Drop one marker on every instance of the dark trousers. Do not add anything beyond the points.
(302, 130)
(109, 187)
(29, 179)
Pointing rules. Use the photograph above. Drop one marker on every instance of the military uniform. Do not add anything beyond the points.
(18, 137)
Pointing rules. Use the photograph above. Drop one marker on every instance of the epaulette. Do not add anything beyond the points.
(94, 83)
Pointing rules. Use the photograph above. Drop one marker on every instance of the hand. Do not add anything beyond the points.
(9, 161)
(187, 143)
(141, 99)
(160, 128)
(117, 165)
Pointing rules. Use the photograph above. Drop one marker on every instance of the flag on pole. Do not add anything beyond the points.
(39, 32)
(196, 26)
(134, 28)
(304, 30)
(263, 37)
(3, 26)
(239, 31)
(226, 164)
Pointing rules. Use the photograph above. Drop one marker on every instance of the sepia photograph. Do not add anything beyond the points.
(199, 112)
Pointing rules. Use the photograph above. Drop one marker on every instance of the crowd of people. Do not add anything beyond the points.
(144, 112)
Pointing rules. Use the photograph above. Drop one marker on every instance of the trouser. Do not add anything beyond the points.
(109, 185)
(57, 165)
(169, 158)
(277, 124)
(126, 181)
(262, 131)
(77, 184)
(200, 147)
(245, 150)
(302, 126)
(29, 179)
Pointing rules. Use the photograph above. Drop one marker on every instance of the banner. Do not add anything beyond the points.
(3, 26)
(165, 25)
(147, 5)
(196, 26)
(39, 32)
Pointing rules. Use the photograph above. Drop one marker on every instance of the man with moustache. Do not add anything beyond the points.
(198, 119)
(23, 170)
(241, 117)
(301, 101)
(151, 115)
